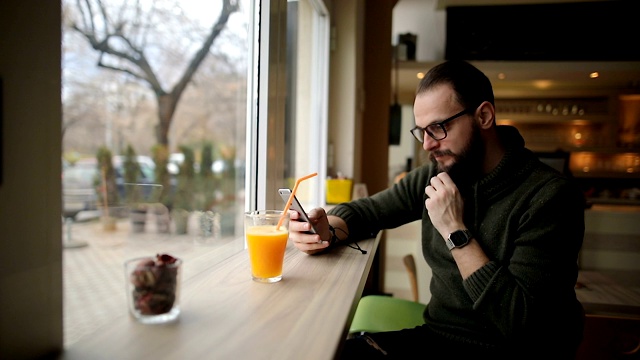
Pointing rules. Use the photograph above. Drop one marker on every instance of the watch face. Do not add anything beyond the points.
(460, 238)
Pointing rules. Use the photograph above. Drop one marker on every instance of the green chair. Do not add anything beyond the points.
(376, 313)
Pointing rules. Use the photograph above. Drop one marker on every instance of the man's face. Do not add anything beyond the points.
(467, 163)
(461, 152)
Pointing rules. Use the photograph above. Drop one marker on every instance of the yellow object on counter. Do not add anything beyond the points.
(339, 190)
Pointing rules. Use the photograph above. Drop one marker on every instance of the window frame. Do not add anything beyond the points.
(266, 147)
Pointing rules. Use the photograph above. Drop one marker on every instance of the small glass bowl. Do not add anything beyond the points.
(153, 288)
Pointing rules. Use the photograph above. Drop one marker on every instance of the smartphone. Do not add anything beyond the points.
(295, 205)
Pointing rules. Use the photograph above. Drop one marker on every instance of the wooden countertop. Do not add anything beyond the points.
(226, 315)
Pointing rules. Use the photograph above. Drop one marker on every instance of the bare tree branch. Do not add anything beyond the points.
(229, 7)
(115, 41)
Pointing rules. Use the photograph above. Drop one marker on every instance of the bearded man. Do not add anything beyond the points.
(501, 232)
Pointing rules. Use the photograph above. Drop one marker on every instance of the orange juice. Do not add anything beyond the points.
(266, 251)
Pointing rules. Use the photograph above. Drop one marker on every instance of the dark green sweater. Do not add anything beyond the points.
(529, 220)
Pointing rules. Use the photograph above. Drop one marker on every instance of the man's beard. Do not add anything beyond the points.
(467, 166)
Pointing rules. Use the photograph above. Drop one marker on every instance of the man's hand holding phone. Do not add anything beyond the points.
(307, 230)
(285, 194)
(299, 231)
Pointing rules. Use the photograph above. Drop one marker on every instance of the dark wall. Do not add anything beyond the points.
(583, 31)
(31, 317)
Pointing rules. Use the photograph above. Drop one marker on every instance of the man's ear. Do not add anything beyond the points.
(486, 115)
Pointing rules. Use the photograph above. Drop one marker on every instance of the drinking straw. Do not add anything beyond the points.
(293, 194)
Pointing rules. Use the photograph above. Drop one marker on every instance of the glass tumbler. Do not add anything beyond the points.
(153, 288)
(266, 243)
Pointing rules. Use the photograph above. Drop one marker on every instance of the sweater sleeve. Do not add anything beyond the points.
(400, 204)
(529, 283)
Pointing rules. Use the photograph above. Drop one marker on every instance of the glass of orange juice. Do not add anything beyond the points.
(266, 243)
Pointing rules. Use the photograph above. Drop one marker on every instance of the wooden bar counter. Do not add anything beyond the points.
(226, 315)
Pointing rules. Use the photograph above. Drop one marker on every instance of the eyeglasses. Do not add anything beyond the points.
(436, 130)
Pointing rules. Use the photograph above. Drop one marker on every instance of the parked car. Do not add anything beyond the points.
(79, 181)
(217, 167)
(78, 191)
(145, 180)
(175, 160)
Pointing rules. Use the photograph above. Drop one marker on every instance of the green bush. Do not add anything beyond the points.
(132, 192)
(184, 197)
(162, 194)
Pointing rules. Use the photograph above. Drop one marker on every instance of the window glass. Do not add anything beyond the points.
(156, 103)
(166, 115)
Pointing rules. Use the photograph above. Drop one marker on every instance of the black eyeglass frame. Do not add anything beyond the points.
(440, 124)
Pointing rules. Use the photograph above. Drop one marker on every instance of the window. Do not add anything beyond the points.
(235, 137)
(297, 146)
(306, 120)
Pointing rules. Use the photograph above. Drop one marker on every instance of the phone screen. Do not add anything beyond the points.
(295, 205)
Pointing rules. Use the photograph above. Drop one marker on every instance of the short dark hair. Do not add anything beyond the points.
(471, 85)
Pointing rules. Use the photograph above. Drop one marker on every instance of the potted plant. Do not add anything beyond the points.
(206, 184)
(106, 187)
(206, 180)
(183, 200)
(226, 185)
(133, 192)
(162, 194)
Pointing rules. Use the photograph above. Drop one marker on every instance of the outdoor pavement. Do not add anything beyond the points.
(93, 274)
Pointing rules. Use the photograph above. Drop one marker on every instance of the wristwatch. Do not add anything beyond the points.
(458, 239)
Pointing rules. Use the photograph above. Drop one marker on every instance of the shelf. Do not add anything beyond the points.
(604, 201)
(605, 175)
(606, 151)
(561, 120)
(623, 165)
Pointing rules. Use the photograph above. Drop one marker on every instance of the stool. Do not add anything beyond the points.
(376, 313)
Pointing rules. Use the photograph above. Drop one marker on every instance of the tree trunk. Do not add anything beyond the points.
(166, 108)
